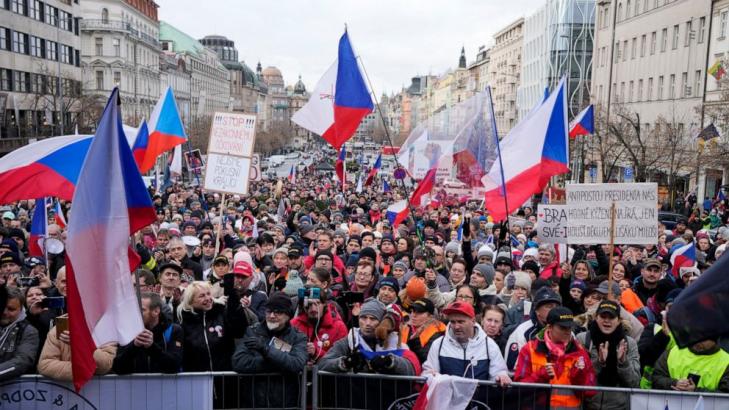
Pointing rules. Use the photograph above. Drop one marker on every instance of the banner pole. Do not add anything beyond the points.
(612, 249)
(220, 225)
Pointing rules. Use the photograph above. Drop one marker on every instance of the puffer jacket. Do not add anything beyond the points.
(18, 349)
(163, 356)
(324, 334)
(628, 376)
(55, 359)
(207, 344)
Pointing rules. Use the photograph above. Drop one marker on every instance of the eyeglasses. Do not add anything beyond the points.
(464, 297)
(323, 260)
(275, 312)
(363, 274)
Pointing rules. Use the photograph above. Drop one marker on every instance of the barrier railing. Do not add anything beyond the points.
(320, 390)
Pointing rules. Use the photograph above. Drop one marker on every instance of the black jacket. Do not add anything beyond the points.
(163, 356)
(207, 343)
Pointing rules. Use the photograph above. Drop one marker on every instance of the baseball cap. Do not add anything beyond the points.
(608, 306)
(652, 262)
(8, 215)
(294, 253)
(220, 259)
(423, 305)
(603, 288)
(460, 308)
(242, 268)
(561, 316)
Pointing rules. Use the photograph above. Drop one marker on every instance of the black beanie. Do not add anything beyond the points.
(281, 303)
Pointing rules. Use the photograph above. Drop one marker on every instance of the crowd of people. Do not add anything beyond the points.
(291, 276)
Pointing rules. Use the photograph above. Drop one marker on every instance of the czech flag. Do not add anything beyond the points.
(139, 149)
(373, 172)
(385, 186)
(533, 152)
(165, 132)
(424, 187)
(58, 215)
(292, 175)
(340, 166)
(38, 228)
(584, 123)
(397, 212)
(339, 101)
(110, 204)
(682, 256)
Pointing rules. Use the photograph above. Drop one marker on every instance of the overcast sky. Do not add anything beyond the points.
(396, 39)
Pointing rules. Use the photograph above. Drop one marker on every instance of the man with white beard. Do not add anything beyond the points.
(273, 346)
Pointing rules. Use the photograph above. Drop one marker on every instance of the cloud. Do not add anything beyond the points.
(396, 39)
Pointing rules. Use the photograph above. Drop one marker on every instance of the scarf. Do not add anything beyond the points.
(556, 349)
(609, 374)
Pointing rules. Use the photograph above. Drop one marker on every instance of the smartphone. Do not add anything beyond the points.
(55, 302)
(27, 281)
(61, 324)
(353, 297)
(694, 378)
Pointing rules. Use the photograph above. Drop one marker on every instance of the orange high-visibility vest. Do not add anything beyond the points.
(561, 399)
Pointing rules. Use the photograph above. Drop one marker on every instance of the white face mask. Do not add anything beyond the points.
(273, 325)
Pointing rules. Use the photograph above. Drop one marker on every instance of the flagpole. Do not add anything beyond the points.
(501, 167)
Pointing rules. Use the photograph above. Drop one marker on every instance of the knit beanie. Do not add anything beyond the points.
(374, 308)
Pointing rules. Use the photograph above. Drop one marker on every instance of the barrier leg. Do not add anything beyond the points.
(314, 388)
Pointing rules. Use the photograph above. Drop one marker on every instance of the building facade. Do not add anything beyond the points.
(277, 116)
(298, 97)
(175, 74)
(558, 41)
(209, 79)
(120, 48)
(505, 74)
(39, 44)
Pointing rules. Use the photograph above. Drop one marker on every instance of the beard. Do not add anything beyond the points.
(273, 326)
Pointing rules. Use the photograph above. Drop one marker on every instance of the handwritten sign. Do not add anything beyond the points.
(552, 223)
(255, 172)
(588, 213)
(230, 153)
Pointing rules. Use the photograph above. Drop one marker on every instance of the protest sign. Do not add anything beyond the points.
(230, 153)
(589, 213)
(255, 173)
(552, 223)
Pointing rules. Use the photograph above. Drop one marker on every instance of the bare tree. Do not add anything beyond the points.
(602, 147)
(276, 137)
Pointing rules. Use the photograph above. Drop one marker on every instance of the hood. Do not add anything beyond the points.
(479, 336)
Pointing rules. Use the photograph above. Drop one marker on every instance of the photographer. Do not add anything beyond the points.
(319, 322)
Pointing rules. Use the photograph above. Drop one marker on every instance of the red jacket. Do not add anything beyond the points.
(551, 270)
(331, 328)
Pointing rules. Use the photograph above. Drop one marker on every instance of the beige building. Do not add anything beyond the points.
(649, 59)
(505, 74)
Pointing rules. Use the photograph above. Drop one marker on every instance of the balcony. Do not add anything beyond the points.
(118, 26)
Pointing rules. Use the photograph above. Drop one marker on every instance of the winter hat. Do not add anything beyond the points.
(531, 266)
(533, 252)
(545, 295)
(578, 284)
(487, 271)
(305, 229)
(454, 247)
(368, 252)
(279, 302)
(523, 280)
(372, 307)
(389, 281)
(243, 264)
(400, 265)
(485, 251)
(415, 288)
(353, 259)
(395, 314)
(503, 258)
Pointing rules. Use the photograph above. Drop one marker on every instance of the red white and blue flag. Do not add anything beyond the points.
(341, 166)
(373, 172)
(385, 186)
(139, 150)
(682, 256)
(38, 228)
(110, 203)
(292, 175)
(165, 132)
(58, 215)
(532, 152)
(339, 101)
(397, 213)
(583, 123)
(424, 187)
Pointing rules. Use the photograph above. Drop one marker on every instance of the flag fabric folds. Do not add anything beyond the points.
(340, 166)
(110, 204)
(583, 123)
(58, 215)
(38, 228)
(397, 213)
(534, 151)
(139, 149)
(339, 101)
(424, 187)
(292, 175)
(385, 186)
(708, 133)
(446, 392)
(682, 256)
(701, 311)
(373, 172)
(717, 70)
(165, 131)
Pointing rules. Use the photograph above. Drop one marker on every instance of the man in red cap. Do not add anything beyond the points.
(465, 350)
(250, 298)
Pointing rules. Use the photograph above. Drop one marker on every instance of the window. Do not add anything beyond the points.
(6, 79)
(4, 38)
(697, 83)
(99, 46)
(36, 46)
(637, 7)
(617, 52)
(674, 43)
(104, 15)
(688, 34)
(66, 54)
(702, 29)
(99, 80)
(17, 6)
(627, 8)
(633, 46)
(21, 82)
(65, 21)
(117, 47)
(653, 43)
(664, 39)
(117, 79)
(20, 42)
(599, 93)
(50, 15)
(620, 11)
(51, 50)
(622, 92)
(625, 50)
(35, 10)
(639, 96)
(37, 84)
(630, 91)
(660, 88)
(672, 87)
(722, 24)
(685, 88)
(642, 45)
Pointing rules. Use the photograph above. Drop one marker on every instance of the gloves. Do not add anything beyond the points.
(381, 363)
(353, 361)
(255, 344)
(279, 284)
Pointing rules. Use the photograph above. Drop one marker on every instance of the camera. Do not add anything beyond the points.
(309, 294)
(28, 281)
(56, 302)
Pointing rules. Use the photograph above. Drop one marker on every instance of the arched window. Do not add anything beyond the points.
(105, 15)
